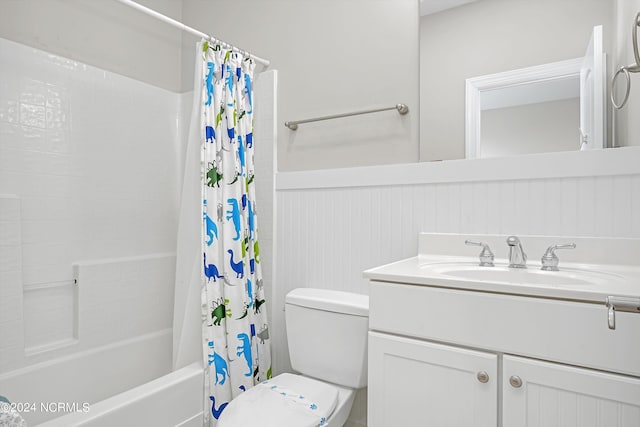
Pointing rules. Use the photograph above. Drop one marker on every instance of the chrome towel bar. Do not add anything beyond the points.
(293, 125)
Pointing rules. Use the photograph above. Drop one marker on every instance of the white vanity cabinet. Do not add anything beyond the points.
(415, 383)
(467, 358)
(550, 394)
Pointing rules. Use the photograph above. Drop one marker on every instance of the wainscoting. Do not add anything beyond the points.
(326, 236)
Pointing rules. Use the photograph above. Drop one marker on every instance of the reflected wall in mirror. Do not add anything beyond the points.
(545, 108)
(526, 111)
(490, 36)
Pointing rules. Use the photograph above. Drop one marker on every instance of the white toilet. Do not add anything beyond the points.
(327, 335)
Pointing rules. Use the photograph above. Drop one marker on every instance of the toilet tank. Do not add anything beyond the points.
(327, 335)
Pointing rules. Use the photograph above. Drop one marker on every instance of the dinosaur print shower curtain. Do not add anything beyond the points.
(235, 331)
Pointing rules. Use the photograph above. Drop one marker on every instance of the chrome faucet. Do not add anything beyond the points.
(517, 257)
(486, 256)
(550, 259)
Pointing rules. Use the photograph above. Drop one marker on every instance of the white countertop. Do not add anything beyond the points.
(608, 280)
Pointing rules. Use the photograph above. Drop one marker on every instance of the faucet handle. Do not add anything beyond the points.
(486, 256)
(550, 260)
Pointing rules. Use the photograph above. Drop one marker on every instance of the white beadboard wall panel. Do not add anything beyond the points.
(621, 212)
(326, 237)
(605, 207)
(569, 212)
(494, 207)
(585, 219)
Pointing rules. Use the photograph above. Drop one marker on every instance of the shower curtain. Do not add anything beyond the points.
(235, 333)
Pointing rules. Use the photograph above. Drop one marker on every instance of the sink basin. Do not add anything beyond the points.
(529, 276)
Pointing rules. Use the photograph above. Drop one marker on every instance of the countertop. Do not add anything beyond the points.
(608, 280)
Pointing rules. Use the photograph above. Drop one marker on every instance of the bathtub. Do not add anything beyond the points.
(174, 399)
(93, 380)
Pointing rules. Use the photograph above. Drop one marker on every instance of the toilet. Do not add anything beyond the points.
(327, 336)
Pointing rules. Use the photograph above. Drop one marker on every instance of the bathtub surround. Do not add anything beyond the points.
(90, 376)
(139, 406)
(80, 187)
(187, 319)
(11, 294)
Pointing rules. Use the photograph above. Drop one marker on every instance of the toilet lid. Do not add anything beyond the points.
(287, 400)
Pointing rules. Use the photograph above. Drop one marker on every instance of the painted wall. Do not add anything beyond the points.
(533, 128)
(487, 37)
(101, 33)
(87, 174)
(332, 56)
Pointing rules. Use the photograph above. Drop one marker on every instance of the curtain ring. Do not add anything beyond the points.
(613, 84)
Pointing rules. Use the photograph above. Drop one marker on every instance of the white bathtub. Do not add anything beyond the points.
(172, 400)
(87, 377)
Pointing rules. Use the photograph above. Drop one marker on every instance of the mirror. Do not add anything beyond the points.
(501, 40)
(526, 111)
(545, 108)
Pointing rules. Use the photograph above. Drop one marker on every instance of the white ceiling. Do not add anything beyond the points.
(428, 7)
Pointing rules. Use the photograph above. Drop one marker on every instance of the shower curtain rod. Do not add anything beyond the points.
(188, 29)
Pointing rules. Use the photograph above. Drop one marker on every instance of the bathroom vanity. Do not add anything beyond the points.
(455, 344)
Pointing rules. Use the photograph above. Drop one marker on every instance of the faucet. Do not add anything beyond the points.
(486, 256)
(550, 259)
(517, 257)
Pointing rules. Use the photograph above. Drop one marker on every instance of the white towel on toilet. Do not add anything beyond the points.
(272, 405)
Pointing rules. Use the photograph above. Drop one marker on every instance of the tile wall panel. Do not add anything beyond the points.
(91, 157)
(12, 342)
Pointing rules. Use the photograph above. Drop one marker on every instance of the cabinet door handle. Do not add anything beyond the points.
(515, 381)
(483, 377)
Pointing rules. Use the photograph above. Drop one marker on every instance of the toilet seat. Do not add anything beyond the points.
(287, 400)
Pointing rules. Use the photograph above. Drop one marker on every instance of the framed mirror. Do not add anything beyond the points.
(487, 37)
(546, 108)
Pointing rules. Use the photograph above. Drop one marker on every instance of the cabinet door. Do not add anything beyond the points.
(415, 383)
(548, 395)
